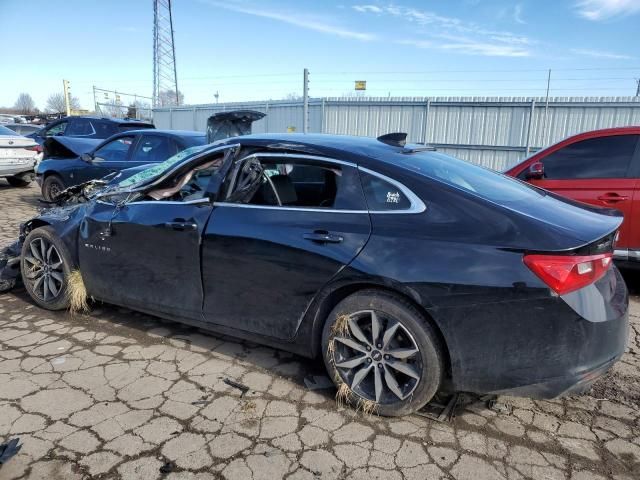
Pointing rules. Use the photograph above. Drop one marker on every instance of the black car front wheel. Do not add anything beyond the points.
(382, 354)
(45, 267)
(51, 187)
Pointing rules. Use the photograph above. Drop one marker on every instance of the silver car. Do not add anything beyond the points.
(18, 157)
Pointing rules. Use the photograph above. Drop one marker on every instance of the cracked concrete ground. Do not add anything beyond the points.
(118, 394)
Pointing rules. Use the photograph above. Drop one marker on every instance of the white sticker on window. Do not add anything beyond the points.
(393, 197)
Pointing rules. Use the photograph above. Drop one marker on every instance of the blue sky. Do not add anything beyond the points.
(253, 49)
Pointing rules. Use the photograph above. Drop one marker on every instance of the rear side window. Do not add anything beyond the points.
(604, 157)
(382, 195)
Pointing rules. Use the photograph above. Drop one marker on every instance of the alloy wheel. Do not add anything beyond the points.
(44, 269)
(377, 357)
(54, 190)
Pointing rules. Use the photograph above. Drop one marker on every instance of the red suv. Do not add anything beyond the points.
(601, 168)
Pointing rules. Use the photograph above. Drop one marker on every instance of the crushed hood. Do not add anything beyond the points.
(231, 124)
(68, 147)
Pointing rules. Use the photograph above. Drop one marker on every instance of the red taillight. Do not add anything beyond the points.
(565, 273)
(35, 148)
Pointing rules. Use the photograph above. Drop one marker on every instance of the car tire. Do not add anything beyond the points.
(45, 265)
(20, 181)
(416, 377)
(51, 187)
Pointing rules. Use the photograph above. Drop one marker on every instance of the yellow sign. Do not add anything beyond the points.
(291, 129)
(361, 84)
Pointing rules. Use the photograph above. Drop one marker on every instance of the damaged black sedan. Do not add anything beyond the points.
(407, 270)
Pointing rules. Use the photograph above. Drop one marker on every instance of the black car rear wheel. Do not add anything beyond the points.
(45, 267)
(382, 354)
(51, 187)
(20, 181)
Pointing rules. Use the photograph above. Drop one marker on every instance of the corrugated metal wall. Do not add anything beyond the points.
(493, 132)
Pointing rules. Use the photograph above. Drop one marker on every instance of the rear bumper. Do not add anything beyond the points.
(562, 386)
(543, 347)
(10, 171)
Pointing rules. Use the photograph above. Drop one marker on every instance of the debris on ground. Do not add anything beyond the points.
(232, 383)
(318, 382)
(168, 467)
(444, 407)
(441, 408)
(9, 449)
(499, 407)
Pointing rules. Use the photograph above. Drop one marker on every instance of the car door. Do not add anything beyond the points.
(110, 157)
(631, 249)
(145, 254)
(595, 171)
(262, 262)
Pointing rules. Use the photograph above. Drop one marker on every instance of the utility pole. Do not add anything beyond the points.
(67, 104)
(638, 88)
(305, 101)
(216, 96)
(95, 101)
(546, 112)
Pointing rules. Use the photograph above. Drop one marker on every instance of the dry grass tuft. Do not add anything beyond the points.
(368, 407)
(77, 293)
(331, 348)
(343, 395)
(341, 326)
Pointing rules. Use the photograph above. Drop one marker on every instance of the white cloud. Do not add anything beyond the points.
(603, 9)
(367, 8)
(472, 38)
(307, 22)
(486, 49)
(600, 54)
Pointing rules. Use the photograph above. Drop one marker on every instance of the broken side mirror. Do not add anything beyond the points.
(535, 171)
(86, 157)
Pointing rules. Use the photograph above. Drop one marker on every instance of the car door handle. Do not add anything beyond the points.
(322, 236)
(181, 226)
(612, 197)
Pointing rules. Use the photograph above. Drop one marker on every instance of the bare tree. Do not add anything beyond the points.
(55, 103)
(25, 104)
(292, 96)
(167, 98)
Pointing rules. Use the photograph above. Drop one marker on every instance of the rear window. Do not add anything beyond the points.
(4, 131)
(471, 178)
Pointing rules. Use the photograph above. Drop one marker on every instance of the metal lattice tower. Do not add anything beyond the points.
(165, 76)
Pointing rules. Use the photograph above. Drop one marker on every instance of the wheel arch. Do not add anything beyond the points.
(332, 295)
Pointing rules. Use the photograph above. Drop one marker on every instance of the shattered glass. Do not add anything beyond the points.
(160, 167)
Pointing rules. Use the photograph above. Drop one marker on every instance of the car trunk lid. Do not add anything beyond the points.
(231, 124)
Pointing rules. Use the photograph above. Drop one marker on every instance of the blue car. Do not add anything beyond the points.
(72, 161)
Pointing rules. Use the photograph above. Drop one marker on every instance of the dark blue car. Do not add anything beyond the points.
(71, 161)
(90, 127)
